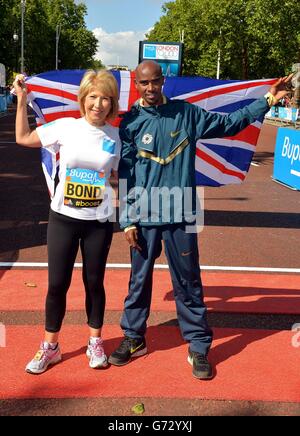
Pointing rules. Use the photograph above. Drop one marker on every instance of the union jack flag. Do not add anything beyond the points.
(219, 161)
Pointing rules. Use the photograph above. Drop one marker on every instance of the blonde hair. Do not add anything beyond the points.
(105, 82)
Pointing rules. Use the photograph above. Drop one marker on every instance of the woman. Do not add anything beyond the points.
(80, 209)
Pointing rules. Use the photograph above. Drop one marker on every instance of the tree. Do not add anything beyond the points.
(37, 36)
(7, 48)
(96, 65)
(257, 38)
(77, 45)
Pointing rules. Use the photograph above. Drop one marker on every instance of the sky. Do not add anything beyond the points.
(119, 25)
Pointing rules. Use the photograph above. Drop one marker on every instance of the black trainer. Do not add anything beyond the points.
(202, 369)
(127, 349)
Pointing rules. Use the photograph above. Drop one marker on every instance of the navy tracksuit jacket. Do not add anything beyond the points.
(158, 152)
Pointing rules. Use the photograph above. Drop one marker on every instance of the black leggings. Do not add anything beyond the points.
(64, 236)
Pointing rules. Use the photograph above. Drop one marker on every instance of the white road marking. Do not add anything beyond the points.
(159, 267)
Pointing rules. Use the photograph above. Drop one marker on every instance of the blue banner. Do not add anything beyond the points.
(287, 157)
(284, 113)
(167, 54)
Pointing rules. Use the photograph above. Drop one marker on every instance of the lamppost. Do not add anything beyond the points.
(219, 57)
(23, 5)
(16, 39)
(219, 64)
(58, 30)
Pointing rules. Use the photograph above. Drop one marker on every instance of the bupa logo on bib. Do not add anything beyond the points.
(109, 145)
(84, 188)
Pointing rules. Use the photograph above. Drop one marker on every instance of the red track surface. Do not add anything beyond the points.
(251, 365)
(224, 292)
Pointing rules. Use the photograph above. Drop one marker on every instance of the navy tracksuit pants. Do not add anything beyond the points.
(183, 258)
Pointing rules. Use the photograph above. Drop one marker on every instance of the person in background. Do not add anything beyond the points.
(158, 151)
(89, 150)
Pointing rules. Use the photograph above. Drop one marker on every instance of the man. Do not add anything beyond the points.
(158, 152)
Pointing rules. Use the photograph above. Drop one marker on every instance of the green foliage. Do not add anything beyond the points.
(256, 38)
(259, 38)
(96, 65)
(6, 33)
(77, 45)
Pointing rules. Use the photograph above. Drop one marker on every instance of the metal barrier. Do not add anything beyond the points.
(3, 103)
(283, 116)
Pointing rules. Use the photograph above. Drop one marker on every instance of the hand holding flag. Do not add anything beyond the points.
(19, 86)
(281, 88)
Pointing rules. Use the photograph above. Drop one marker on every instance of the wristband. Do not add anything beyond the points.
(129, 228)
(271, 99)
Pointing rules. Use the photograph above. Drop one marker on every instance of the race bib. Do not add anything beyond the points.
(84, 188)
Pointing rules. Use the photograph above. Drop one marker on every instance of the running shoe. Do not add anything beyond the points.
(202, 369)
(45, 357)
(127, 349)
(95, 352)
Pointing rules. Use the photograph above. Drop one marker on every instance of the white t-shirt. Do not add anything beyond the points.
(87, 156)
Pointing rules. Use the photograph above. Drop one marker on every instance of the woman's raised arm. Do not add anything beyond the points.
(24, 136)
